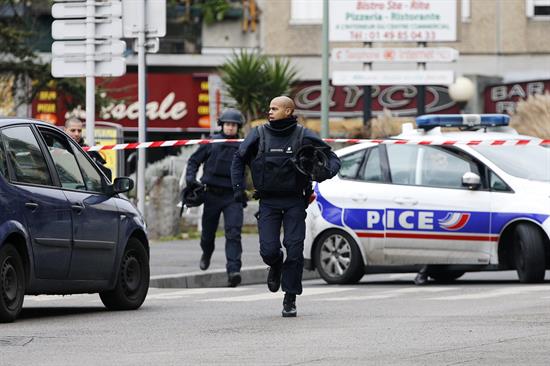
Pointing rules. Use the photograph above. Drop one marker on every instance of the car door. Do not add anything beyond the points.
(46, 210)
(431, 217)
(95, 217)
(359, 192)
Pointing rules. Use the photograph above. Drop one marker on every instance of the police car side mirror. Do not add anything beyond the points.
(122, 184)
(471, 180)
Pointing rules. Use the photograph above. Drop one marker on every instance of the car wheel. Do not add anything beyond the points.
(133, 279)
(445, 275)
(338, 259)
(529, 254)
(12, 283)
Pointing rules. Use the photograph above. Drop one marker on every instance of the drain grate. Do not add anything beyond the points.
(15, 341)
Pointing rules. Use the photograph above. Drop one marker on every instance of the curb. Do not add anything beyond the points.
(217, 278)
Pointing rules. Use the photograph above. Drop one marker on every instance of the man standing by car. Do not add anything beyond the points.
(283, 192)
(73, 128)
(216, 176)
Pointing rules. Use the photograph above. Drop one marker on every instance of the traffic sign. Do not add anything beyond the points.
(65, 67)
(408, 77)
(78, 9)
(76, 28)
(155, 22)
(78, 48)
(424, 54)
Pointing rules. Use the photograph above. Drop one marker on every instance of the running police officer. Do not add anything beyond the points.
(283, 192)
(216, 176)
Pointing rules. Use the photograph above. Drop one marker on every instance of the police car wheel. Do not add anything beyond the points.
(12, 283)
(529, 256)
(132, 281)
(338, 258)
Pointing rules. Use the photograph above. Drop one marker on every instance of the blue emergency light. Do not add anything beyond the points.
(467, 121)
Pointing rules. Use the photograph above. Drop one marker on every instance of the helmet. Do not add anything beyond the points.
(312, 162)
(193, 195)
(231, 115)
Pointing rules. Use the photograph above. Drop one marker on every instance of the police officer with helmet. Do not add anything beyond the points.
(284, 191)
(218, 197)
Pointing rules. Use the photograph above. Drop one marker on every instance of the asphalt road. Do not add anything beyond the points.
(484, 318)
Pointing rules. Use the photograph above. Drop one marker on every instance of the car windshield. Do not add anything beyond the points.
(528, 162)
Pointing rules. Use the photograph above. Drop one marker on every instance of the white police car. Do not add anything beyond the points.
(425, 199)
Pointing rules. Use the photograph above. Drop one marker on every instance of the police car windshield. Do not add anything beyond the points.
(528, 162)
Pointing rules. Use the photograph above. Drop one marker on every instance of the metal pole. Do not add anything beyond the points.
(421, 89)
(324, 80)
(367, 93)
(142, 123)
(90, 72)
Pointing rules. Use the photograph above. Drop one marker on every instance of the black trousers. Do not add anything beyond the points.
(214, 205)
(288, 213)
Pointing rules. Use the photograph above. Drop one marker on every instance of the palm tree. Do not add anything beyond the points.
(253, 80)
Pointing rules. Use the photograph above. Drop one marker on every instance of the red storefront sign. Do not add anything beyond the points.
(347, 101)
(504, 98)
(175, 102)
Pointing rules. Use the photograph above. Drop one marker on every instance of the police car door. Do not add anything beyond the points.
(360, 192)
(432, 217)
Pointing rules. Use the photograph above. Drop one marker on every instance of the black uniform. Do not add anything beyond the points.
(98, 160)
(216, 176)
(283, 192)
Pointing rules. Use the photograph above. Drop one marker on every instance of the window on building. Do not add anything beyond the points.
(538, 9)
(306, 11)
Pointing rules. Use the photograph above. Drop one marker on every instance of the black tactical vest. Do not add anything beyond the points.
(272, 169)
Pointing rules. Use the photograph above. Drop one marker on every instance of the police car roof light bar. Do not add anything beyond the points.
(468, 121)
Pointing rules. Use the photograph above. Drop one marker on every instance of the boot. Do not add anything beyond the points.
(233, 279)
(289, 306)
(205, 261)
(422, 277)
(274, 277)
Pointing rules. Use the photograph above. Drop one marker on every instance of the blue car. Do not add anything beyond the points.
(64, 228)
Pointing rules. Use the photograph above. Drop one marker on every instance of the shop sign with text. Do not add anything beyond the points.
(176, 102)
(347, 101)
(393, 20)
(504, 98)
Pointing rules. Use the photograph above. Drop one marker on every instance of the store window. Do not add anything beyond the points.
(538, 9)
(306, 12)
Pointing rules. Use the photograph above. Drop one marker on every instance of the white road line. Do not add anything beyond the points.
(278, 296)
(515, 290)
(392, 293)
(43, 298)
(190, 292)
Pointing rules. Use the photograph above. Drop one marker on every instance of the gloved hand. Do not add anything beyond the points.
(240, 196)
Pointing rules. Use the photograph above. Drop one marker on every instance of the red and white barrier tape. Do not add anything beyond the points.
(170, 143)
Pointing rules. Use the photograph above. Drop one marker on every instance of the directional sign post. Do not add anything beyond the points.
(392, 77)
(144, 20)
(419, 54)
(88, 31)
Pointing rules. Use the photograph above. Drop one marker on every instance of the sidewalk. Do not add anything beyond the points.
(175, 264)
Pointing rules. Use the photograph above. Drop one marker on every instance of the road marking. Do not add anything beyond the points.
(43, 298)
(392, 293)
(515, 290)
(190, 292)
(277, 296)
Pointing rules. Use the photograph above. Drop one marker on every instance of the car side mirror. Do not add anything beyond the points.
(122, 184)
(471, 180)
